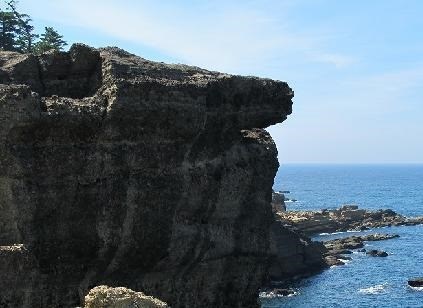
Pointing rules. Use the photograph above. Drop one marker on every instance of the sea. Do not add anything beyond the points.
(364, 281)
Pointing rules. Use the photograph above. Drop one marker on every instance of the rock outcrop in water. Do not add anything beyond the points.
(347, 217)
(119, 171)
(336, 250)
(278, 202)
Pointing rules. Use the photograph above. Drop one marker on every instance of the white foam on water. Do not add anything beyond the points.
(333, 233)
(416, 288)
(271, 294)
(345, 260)
(376, 289)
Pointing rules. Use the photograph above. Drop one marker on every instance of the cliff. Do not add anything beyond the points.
(119, 171)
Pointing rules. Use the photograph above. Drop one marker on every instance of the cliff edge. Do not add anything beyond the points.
(119, 171)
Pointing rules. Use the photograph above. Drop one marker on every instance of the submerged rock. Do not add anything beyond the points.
(377, 253)
(416, 282)
(121, 171)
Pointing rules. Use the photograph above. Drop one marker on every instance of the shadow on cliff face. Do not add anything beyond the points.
(294, 254)
(127, 172)
(74, 74)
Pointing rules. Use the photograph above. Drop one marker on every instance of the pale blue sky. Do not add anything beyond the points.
(356, 66)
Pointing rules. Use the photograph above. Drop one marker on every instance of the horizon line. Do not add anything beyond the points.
(349, 163)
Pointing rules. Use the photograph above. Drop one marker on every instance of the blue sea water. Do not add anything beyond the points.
(364, 281)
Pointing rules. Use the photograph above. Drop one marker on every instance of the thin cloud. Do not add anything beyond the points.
(221, 36)
(338, 60)
(357, 83)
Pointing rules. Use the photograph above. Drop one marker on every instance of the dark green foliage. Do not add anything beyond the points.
(50, 39)
(26, 38)
(17, 32)
(9, 28)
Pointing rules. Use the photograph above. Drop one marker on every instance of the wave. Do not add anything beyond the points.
(344, 260)
(272, 294)
(332, 233)
(376, 289)
(339, 232)
(416, 288)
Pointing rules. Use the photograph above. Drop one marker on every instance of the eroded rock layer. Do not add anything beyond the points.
(121, 171)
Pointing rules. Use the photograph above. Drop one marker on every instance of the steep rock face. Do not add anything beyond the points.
(294, 255)
(121, 171)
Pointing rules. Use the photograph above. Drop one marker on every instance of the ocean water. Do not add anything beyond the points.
(364, 281)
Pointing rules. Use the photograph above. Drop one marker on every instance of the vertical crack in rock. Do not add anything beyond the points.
(119, 171)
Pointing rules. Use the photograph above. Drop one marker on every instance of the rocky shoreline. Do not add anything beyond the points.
(345, 218)
(334, 252)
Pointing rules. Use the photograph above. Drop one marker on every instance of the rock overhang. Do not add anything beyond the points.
(124, 170)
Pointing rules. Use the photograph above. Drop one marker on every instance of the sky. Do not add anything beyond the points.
(356, 67)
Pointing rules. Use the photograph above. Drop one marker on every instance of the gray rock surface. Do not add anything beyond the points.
(119, 171)
(107, 297)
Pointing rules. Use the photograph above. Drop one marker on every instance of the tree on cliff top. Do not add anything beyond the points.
(24, 36)
(9, 28)
(17, 32)
(50, 39)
